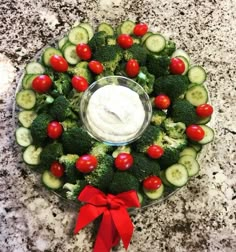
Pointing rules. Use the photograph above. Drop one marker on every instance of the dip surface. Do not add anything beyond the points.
(115, 113)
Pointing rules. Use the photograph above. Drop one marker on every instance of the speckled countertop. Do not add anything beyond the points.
(202, 215)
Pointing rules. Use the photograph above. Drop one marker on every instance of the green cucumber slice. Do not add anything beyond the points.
(78, 35)
(26, 99)
(190, 151)
(50, 181)
(197, 74)
(191, 165)
(127, 27)
(196, 146)
(26, 117)
(31, 155)
(155, 43)
(182, 53)
(204, 120)
(106, 28)
(164, 180)
(145, 36)
(186, 64)
(48, 53)
(23, 137)
(71, 55)
(88, 28)
(34, 68)
(197, 95)
(209, 135)
(27, 80)
(154, 194)
(62, 42)
(177, 175)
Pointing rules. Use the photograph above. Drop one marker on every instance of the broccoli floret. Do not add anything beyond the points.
(60, 109)
(109, 56)
(98, 40)
(169, 48)
(39, 128)
(136, 52)
(74, 100)
(123, 181)
(49, 154)
(158, 64)
(74, 189)
(111, 40)
(183, 111)
(62, 84)
(42, 102)
(120, 70)
(121, 149)
(100, 149)
(170, 156)
(169, 142)
(171, 85)
(136, 40)
(158, 116)
(145, 79)
(143, 166)
(68, 124)
(104, 74)
(81, 70)
(174, 130)
(77, 141)
(102, 175)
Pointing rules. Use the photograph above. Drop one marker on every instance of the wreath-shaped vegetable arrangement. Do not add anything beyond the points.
(55, 142)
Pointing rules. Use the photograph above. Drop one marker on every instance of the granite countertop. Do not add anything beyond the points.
(199, 217)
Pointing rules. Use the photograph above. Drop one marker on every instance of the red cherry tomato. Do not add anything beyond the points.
(124, 161)
(152, 183)
(195, 132)
(155, 151)
(57, 169)
(132, 68)
(86, 163)
(95, 66)
(176, 66)
(58, 63)
(79, 83)
(140, 29)
(83, 51)
(125, 41)
(162, 101)
(204, 110)
(54, 129)
(42, 83)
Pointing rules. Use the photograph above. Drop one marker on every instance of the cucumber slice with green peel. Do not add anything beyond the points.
(27, 80)
(62, 42)
(196, 74)
(50, 181)
(31, 155)
(106, 28)
(26, 117)
(196, 146)
(154, 194)
(78, 35)
(186, 64)
(164, 180)
(191, 165)
(197, 95)
(26, 99)
(155, 43)
(34, 68)
(192, 85)
(182, 53)
(71, 55)
(140, 198)
(177, 175)
(145, 36)
(48, 53)
(88, 28)
(190, 151)
(127, 27)
(118, 30)
(23, 137)
(209, 135)
(203, 120)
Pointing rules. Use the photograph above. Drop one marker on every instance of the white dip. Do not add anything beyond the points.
(115, 113)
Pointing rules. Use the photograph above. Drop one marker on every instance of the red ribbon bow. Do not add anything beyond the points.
(115, 223)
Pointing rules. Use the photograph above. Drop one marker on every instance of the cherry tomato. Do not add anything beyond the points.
(155, 151)
(204, 110)
(42, 83)
(125, 41)
(152, 183)
(162, 101)
(95, 66)
(124, 161)
(58, 63)
(86, 163)
(140, 29)
(79, 83)
(54, 129)
(176, 66)
(132, 68)
(83, 51)
(195, 132)
(57, 169)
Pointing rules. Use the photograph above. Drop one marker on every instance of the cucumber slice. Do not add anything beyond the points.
(127, 27)
(31, 155)
(34, 68)
(164, 180)
(182, 53)
(196, 146)
(78, 35)
(50, 181)
(190, 151)
(62, 42)
(197, 95)
(88, 28)
(177, 175)
(209, 135)
(154, 194)
(186, 64)
(118, 30)
(26, 117)
(204, 120)
(155, 43)
(26, 99)
(27, 80)
(144, 37)
(106, 28)
(191, 165)
(71, 55)
(192, 85)
(48, 53)
(197, 74)
(140, 198)
(23, 137)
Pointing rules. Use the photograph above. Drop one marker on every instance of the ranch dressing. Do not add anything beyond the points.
(115, 113)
